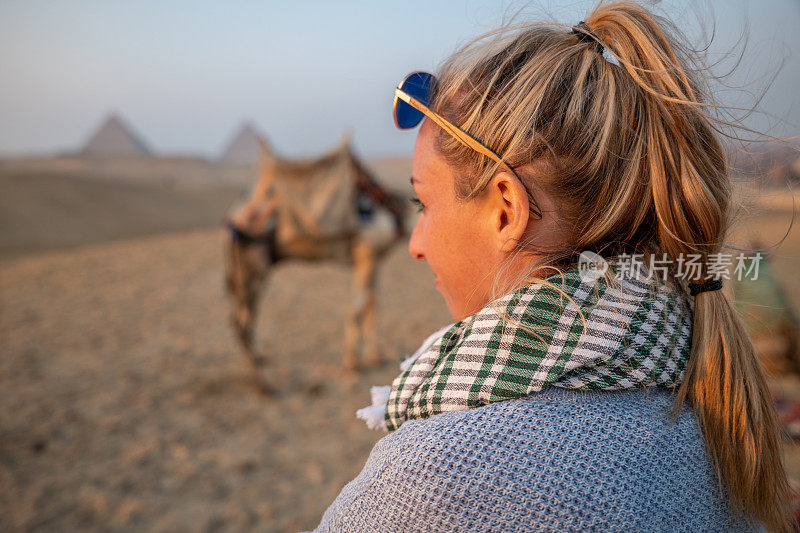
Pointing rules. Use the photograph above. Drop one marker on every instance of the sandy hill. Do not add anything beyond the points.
(135, 168)
(44, 211)
(66, 201)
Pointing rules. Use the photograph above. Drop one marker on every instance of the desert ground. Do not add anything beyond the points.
(124, 401)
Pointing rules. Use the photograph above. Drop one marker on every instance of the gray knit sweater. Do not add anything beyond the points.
(559, 460)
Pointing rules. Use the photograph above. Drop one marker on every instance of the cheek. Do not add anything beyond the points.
(462, 252)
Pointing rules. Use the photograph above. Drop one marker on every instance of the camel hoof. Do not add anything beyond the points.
(352, 367)
(263, 389)
(315, 389)
(373, 361)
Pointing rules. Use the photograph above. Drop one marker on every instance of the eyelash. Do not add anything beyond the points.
(417, 202)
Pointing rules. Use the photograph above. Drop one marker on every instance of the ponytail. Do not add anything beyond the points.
(725, 383)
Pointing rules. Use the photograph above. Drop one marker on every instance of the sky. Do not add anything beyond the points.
(186, 74)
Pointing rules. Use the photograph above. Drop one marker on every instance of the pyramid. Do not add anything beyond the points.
(115, 138)
(243, 148)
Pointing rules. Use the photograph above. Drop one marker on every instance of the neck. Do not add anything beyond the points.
(518, 270)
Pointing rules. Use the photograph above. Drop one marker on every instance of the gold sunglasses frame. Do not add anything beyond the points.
(460, 135)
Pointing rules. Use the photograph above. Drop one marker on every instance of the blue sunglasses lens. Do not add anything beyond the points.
(419, 85)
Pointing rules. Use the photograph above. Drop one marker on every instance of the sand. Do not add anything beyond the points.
(124, 402)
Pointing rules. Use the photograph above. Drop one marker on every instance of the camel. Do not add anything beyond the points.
(329, 208)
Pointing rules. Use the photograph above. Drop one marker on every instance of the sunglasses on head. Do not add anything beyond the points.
(411, 100)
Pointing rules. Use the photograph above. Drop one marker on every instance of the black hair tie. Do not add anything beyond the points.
(585, 35)
(710, 285)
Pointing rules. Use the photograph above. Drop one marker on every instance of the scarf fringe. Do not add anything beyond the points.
(374, 415)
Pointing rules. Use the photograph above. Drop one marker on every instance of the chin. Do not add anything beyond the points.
(456, 311)
(457, 314)
(453, 312)
(464, 309)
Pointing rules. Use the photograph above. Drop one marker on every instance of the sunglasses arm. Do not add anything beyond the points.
(448, 126)
(465, 139)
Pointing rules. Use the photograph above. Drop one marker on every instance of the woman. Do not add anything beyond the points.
(572, 393)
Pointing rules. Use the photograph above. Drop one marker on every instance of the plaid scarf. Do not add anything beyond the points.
(637, 333)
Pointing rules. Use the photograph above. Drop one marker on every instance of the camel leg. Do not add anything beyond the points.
(245, 277)
(244, 316)
(361, 319)
(368, 331)
(351, 338)
(243, 301)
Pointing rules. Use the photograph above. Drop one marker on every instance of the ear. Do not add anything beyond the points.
(509, 209)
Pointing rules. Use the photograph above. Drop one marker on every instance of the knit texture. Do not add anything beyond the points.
(556, 460)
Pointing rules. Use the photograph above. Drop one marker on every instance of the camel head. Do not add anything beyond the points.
(370, 186)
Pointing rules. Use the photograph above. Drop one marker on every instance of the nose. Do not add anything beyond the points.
(415, 242)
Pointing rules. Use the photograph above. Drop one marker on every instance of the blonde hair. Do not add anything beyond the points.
(630, 150)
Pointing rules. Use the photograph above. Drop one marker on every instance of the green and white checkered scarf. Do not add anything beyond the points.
(637, 333)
